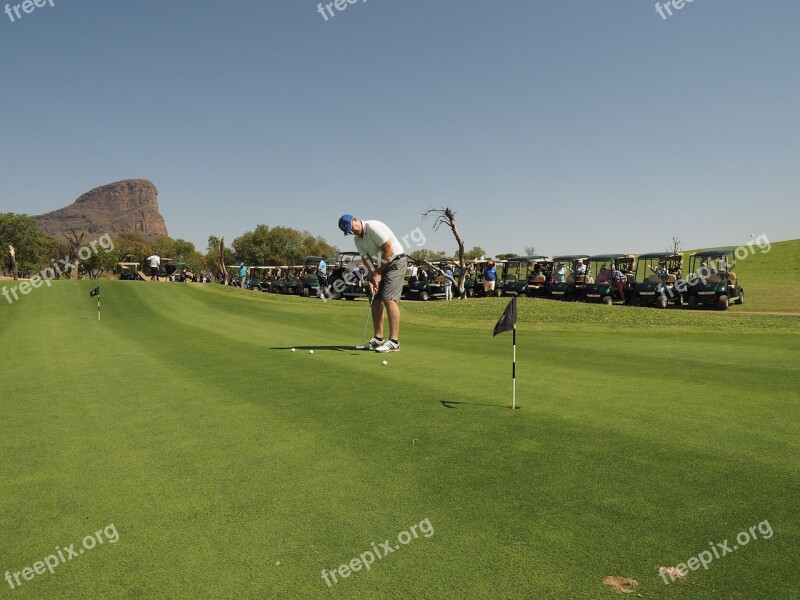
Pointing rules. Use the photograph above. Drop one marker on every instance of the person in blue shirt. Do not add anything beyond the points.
(489, 278)
(322, 276)
(242, 275)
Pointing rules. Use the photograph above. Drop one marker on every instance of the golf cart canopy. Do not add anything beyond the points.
(718, 253)
(609, 257)
(529, 258)
(128, 265)
(570, 257)
(664, 255)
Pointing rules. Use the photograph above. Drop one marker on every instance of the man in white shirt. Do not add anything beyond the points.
(386, 267)
(155, 266)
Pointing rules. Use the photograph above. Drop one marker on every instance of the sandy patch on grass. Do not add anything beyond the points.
(623, 585)
(673, 572)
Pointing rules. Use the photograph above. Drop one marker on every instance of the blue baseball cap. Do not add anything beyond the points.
(346, 224)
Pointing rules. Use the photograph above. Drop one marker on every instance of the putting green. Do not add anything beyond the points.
(232, 467)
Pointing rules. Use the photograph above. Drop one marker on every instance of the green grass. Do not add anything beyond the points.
(234, 468)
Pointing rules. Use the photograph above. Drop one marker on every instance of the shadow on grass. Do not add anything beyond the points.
(329, 348)
(454, 404)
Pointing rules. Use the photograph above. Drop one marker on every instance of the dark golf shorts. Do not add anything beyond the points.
(391, 287)
(153, 271)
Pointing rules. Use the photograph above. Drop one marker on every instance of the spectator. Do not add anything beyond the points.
(559, 273)
(448, 283)
(155, 266)
(322, 276)
(489, 278)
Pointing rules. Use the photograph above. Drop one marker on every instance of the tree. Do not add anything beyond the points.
(218, 256)
(530, 250)
(447, 216)
(30, 245)
(424, 254)
(74, 240)
(506, 256)
(474, 254)
(279, 246)
(677, 245)
(131, 246)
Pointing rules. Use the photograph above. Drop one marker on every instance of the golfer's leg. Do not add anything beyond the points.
(377, 317)
(394, 319)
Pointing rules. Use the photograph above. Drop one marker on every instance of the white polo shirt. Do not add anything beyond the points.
(375, 235)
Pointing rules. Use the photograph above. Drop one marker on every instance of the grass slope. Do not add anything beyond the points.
(234, 468)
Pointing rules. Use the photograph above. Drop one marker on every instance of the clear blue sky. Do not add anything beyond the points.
(591, 126)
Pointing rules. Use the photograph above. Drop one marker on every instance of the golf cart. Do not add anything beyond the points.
(473, 283)
(656, 276)
(347, 273)
(258, 279)
(567, 281)
(601, 285)
(309, 282)
(711, 280)
(430, 283)
(524, 276)
(129, 271)
(277, 282)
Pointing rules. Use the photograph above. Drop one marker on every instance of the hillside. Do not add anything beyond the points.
(128, 205)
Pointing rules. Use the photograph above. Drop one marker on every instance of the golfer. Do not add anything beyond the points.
(386, 267)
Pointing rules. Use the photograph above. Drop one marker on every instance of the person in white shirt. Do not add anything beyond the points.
(155, 266)
(386, 265)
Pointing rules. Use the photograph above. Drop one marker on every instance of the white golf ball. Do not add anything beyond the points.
(294, 349)
(311, 352)
(384, 363)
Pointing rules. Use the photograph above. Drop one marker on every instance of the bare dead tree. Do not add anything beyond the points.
(677, 245)
(223, 269)
(74, 242)
(530, 250)
(447, 216)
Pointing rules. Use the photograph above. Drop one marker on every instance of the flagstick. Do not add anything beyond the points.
(98, 307)
(514, 371)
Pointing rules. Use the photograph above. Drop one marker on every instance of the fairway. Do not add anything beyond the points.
(232, 467)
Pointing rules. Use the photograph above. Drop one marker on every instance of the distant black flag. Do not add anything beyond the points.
(92, 294)
(509, 319)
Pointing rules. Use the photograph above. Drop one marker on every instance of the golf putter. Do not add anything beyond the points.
(366, 322)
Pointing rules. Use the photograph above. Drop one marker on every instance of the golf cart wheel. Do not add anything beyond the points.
(740, 299)
(304, 292)
(661, 302)
(636, 301)
(335, 295)
(424, 296)
(470, 293)
(498, 293)
(607, 300)
(723, 302)
(692, 301)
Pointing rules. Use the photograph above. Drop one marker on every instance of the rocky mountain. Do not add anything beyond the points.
(129, 205)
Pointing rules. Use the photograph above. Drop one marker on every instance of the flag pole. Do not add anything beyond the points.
(514, 370)
(98, 306)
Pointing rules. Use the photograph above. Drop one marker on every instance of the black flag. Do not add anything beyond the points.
(94, 292)
(509, 319)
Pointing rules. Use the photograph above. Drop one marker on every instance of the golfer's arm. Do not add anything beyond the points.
(386, 257)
